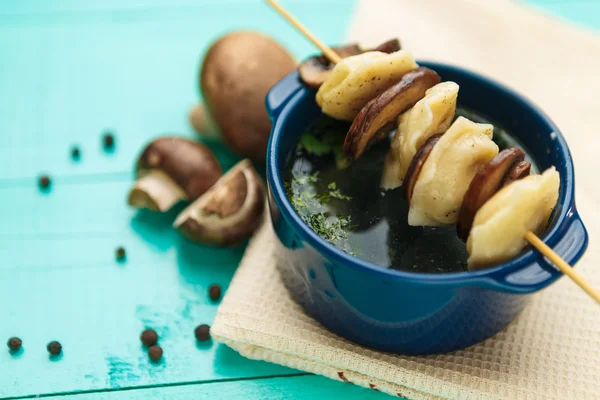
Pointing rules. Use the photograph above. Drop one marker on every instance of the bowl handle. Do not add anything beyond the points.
(570, 243)
(281, 92)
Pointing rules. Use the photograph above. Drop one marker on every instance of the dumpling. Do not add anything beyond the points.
(357, 79)
(500, 224)
(446, 174)
(431, 115)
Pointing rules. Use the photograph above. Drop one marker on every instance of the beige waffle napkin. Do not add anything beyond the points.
(553, 349)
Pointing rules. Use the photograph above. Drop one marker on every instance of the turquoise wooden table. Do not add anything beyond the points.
(70, 70)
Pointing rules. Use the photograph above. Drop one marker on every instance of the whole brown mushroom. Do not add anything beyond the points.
(171, 169)
(237, 72)
(229, 212)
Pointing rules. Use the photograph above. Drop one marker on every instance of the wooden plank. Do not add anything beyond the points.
(98, 312)
(133, 71)
(279, 388)
(70, 70)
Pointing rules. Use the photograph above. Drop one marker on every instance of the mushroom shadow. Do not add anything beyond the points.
(226, 158)
(200, 265)
(156, 228)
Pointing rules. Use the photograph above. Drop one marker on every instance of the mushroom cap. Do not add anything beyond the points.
(229, 212)
(237, 72)
(191, 165)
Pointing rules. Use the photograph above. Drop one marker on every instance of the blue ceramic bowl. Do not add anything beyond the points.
(416, 313)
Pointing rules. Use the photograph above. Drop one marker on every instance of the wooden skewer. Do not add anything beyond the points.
(561, 264)
(531, 237)
(327, 51)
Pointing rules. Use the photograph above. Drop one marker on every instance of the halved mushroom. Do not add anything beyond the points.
(315, 70)
(227, 213)
(412, 174)
(519, 171)
(484, 185)
(171, 169)
(385, 109)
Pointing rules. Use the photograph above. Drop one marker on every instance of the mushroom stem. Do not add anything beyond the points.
(155, 191)
(203, 123)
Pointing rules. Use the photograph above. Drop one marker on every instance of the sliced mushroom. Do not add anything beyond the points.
(390, 46)
(315, 70)
(500, 224)
(171, 169)
(412, 174)
(237, 72)
(385, 109)
(484, 185)
(229, 212)
(519, 171)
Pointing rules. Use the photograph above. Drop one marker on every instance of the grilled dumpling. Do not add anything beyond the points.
(357, 79)
(500, 224)
(431, 115)
(446, 174)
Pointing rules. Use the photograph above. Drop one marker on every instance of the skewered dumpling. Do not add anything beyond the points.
(446, 174)
(431, 115)
(500, 224)
(357, 79)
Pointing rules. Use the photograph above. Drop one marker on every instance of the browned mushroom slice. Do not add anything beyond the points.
(390, 46)
(414, 169)
(518, 171)
(385, 108)
(315, 70)
(484, 185)
(171, 169)
(229, 212)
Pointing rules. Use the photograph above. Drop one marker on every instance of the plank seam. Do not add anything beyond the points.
(161, 385)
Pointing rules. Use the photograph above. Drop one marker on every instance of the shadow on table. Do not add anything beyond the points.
(200, 264)
(157, 228)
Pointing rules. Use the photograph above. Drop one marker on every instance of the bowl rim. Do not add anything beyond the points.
(551, 235)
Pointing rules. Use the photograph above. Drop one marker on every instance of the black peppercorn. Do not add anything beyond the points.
(214, 291)
(202, 332)
(14, 343)
(54, 348)
(120, 253)
(75, 153)
(149, 337)
(108, 140)
(155, 353)
(44, 182)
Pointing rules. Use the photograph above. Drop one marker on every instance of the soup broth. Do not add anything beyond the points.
(343, 203)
